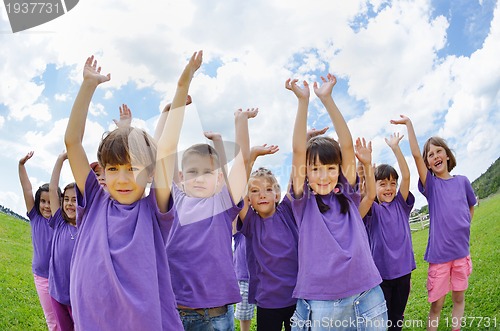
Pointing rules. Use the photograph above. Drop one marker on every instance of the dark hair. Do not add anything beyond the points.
(38, 194)
(438, 141)
(327, 150)
(122, 144)
(202, 150)
(324, 149)
(385, 171)
(67, 187)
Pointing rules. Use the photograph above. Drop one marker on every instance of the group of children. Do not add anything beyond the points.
(334, 253)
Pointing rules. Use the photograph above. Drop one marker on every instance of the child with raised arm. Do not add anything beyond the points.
(389, 232)
(38, 211)
(451, 202)
(199, 245)
(338, 282)
(63, 221)
(119, 278)
(270, 228)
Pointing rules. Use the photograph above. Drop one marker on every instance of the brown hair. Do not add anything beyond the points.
(438, 141)
(38, 196)
(122, 145)
(67, 187)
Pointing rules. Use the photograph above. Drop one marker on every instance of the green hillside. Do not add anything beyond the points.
(489, 182)
(20, 310)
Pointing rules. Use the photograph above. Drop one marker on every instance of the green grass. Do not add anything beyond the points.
(19, 305)
(20, 309)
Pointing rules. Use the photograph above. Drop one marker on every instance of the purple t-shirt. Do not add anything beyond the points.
(41, 237)
(389, 233)
(120, 279)
(63, 243)
(199, 250)
(240, 256)
(449, 231)
(274, 243)
(334, 254)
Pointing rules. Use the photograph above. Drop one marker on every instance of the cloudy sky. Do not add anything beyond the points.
(435, 61)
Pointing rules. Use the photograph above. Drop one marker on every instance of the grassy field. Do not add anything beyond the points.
(20, 309)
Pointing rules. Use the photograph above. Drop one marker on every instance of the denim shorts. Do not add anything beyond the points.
(366, 311)
(193, 321)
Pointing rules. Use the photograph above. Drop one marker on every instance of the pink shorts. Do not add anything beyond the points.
(450, 276)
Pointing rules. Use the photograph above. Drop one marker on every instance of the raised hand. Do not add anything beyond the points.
(393, 140)
(300, 92)
(92, 72)
(191, 67)
(249, 113)
(26, 158)
(314, 133)
(403, 120)
(326, 88)
(125, 120)
(264, 149)
(363, 151)
(212, 135)
(63, 156)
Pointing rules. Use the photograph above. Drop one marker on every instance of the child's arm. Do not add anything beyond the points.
(163, 118)
(216, 138)
(415, 150)
(255, 152)
(324, 93)
(238, 178)
(29, 200)
(299, 140)
(364, 155)
(125, 120)
(73, 137)
(169, 137)
(55, 199)
(393, 143)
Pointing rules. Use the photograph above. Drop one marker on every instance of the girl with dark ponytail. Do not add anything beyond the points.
(337, 281)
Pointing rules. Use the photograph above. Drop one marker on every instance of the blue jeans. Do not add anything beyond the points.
(366, 311)
(192, 321)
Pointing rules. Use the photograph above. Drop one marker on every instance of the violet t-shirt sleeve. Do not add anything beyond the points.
(248, 226)
(165, 220)
(469, 191)
(92, 187)
(56, 219)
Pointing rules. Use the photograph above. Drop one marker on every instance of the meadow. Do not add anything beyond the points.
(20, 309)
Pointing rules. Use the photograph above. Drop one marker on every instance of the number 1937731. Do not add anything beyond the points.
(33, 8)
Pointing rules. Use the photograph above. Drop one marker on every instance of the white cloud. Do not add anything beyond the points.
(390, 63)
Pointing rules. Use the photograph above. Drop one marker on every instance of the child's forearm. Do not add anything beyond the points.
(55, 203)
(299, 140)
(412, 139)
(76, 124)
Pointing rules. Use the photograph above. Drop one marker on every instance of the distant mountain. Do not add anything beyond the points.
(489, 182)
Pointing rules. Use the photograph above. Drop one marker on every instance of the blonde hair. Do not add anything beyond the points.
(266, 174)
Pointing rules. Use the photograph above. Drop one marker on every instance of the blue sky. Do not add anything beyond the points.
(435, 61)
